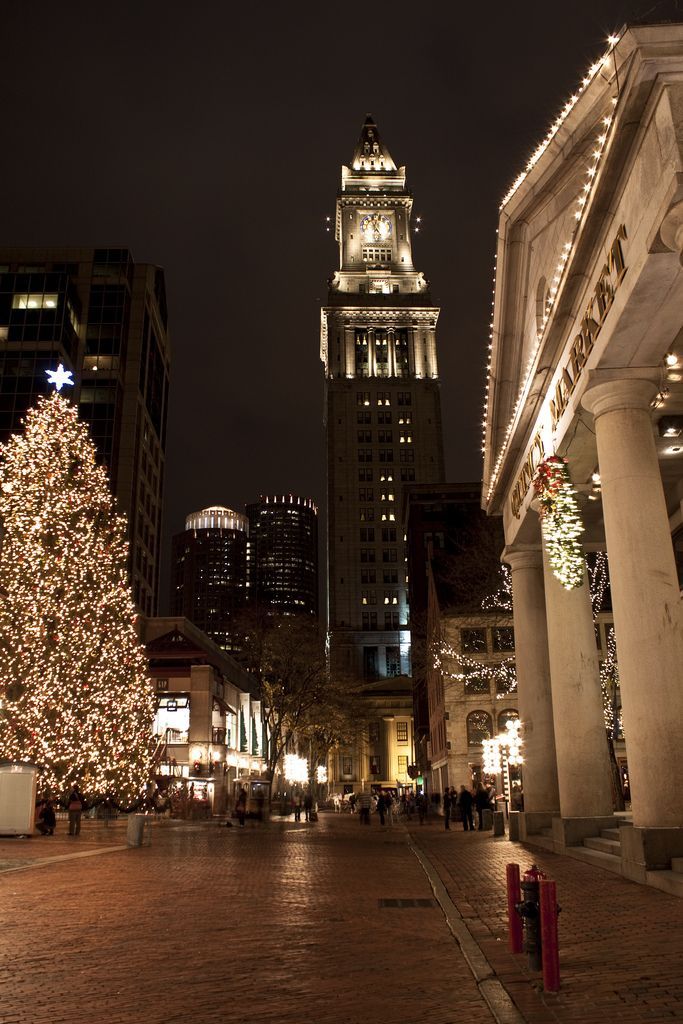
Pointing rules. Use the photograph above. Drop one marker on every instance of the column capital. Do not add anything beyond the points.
(522, 556)
(602, 396)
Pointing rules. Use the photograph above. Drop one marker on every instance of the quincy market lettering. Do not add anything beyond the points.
(599, 305)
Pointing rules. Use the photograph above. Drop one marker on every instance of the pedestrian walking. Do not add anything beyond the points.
(381, 808)
(75, 809)
(308, 806)
(241, 806)
(298, 804)
(422, 807)
(389, 802)
(465, 805)
(364, 804)
(447, 803)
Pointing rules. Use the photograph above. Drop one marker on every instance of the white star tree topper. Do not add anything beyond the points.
(59, 377)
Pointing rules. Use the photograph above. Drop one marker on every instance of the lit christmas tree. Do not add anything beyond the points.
(75, 698)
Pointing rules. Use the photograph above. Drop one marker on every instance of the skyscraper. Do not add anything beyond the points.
(283, 554)
(104, 317)
(209, 572)
(383, 414)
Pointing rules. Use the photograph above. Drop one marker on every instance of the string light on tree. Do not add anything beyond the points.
(560, 521)
(76, 698)
(295, 768)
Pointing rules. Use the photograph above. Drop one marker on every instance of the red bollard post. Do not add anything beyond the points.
(549, 937)
(514, 919)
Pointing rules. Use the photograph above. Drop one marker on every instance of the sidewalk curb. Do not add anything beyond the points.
(491, 988)
(45, 862)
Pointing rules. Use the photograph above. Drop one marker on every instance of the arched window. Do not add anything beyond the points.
(506, 716)
(479, 728)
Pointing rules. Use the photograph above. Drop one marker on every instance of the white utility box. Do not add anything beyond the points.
(17, 798)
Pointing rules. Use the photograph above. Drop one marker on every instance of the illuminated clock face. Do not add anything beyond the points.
(375, 227)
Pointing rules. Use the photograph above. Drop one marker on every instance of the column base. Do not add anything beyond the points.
(573, 831)
(533, 823)
(648, 849)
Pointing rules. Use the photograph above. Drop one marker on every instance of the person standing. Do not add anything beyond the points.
(482, 802)
(381, 808)
(465, 805)
(364, 804)
(447, 803)
(308, 806)
(75, 809)
(241, 806)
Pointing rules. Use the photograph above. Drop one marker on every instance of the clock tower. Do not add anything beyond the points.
(383, 415)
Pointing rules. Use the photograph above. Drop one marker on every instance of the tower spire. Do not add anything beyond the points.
(370, 153)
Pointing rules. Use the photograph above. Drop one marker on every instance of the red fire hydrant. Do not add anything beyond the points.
(529, 910)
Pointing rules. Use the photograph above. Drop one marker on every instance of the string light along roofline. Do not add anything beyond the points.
(582, 204)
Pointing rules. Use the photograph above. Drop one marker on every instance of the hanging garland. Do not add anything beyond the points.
(560, 521)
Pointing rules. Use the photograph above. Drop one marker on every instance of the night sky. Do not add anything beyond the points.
(208, 137)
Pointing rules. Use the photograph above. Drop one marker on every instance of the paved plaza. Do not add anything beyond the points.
(330, 922)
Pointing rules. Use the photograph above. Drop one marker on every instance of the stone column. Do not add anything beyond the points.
(541, 793)
(583, 768)
(645, 598)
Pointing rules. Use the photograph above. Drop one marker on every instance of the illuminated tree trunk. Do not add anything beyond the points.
(76, 699)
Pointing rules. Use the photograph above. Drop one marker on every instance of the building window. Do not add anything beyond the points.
(373, 255)
(390, 576)
(368, 597)
(389, 535)
(347, 766)
(364, 437)
(367, 555)
(407, 475)
(369, 620)
(401, 357)
(366, 475)
(365, 454)
(375, 763)
(367, 534)
(385, 437)
(370, 663)
(479, 728)
(384, 416)
(393, 656)
(404, 398)
(508, 715)
(406, 437)
(368, 576)
(405, 417)
(473, 641)
(366, 494)
(391, 620)
(391, 597)
(373, 732)
(401, 732)
(367, 514)
(475, 683)
(362, 398)
(384, 397)
(389, 555)
(402, 764)
(388, 515)
(406, 455)
(362, 354)
(363, 416)
(387, 455)
(504, 638)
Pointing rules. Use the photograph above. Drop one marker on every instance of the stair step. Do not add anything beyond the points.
(594, 857)
(677, 864)
(610, 833)
(667, 881)
(608, 846)
(547, 832)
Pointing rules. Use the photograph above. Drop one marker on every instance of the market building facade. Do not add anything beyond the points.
(586, 365)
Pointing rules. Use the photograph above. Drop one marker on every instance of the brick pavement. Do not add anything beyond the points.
(621, 944)
(282, 924)
(278, 925)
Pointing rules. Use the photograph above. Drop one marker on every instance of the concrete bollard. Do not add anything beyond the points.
(487, 819)
(498, 823)
(513, 827)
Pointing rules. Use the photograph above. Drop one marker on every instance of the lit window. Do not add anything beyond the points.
(34, 300)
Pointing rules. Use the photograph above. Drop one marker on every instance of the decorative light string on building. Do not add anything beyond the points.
(502, 673)
(560, 521)
(582, 204)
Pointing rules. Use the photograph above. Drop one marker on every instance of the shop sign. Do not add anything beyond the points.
(162, 684)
